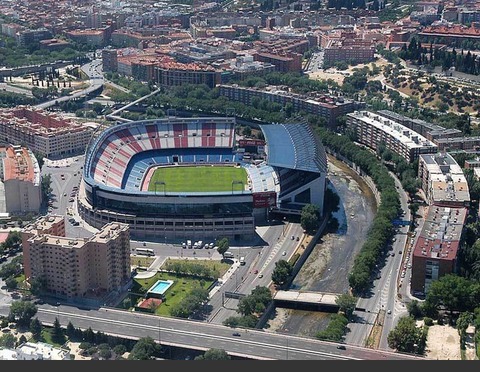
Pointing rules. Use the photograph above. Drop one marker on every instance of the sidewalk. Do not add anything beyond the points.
(225, 277)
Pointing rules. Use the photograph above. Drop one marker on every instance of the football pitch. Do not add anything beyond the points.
(198, 179)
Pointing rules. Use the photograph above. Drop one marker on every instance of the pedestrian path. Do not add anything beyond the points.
(225, 277)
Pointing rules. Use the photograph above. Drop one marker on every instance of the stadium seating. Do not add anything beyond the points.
(125, 154)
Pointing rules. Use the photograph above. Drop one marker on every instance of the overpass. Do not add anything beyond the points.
(92, 69)
(114, 114)
(198, 335)
(306, 300)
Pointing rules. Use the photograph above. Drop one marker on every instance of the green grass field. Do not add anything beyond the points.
(198, 178)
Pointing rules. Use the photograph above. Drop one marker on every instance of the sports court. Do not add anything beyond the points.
(198, 179)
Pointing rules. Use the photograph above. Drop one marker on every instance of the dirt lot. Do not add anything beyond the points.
(339, 76)
(443, 343)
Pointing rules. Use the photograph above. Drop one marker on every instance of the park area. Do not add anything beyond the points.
(198, 179)
(191, 279)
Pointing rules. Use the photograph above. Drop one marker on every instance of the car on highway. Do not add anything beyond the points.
(260, 276)
(341, 347)
(256, 271)
(236, 334)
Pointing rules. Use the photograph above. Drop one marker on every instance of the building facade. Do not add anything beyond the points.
(324, 106)
(372, 130)
(43, 132)
(443, 181)
(76, 267)
(436, 250)
(20, 173)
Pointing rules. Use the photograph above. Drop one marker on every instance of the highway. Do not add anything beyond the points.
(383, 300)
(13, 89)
(94, 71)
(260, 263)
(256, 344)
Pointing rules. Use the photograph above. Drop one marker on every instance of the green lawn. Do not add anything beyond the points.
(181, 287)
(198, 178)
(141, 261)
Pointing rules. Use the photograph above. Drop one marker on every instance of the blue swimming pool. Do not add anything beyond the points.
(160, 287)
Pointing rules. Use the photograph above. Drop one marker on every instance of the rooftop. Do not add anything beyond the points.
(441, 233)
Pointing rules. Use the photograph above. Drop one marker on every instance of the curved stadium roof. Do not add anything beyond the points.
(294, 146)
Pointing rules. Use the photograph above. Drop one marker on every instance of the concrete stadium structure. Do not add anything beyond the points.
(289, 174)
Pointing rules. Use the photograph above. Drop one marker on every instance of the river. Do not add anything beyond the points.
(327, 267)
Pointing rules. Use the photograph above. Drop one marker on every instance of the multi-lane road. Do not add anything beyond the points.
(253, 344)
(94, 72)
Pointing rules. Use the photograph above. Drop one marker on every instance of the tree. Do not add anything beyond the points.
(70, 331)
(309, 218)
(282, 271)
(119, 350)
(104, 351)
(406, 336)
(453, 293)
(57, 332)
(7, 341)
(46, 188)
(23, 312)
(214, 354)
(463, 321)
(144, 349)
(414, 309)
(11, 283)
(346, 304)
(39, 158)
(22, 340)
(223, 245)
(36, 329)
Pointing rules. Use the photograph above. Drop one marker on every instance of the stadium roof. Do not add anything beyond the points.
(294, 146)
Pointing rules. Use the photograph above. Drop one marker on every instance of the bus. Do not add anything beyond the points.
(145, 251)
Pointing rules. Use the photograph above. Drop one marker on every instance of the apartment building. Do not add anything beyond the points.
(325, 106)
(77, 267)
(174, 73)
(372, 130)
(286, 62)
(436, 249)
(20, 173)
(43, 132)
(433, 132)
(92, 37)
(443, 181)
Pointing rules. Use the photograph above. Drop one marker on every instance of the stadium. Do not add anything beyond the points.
(190, 178)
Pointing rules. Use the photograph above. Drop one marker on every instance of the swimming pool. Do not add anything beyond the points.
(160, 287)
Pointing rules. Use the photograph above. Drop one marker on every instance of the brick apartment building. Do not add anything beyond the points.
(324, 106)
(436, 250)
(43, 132)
